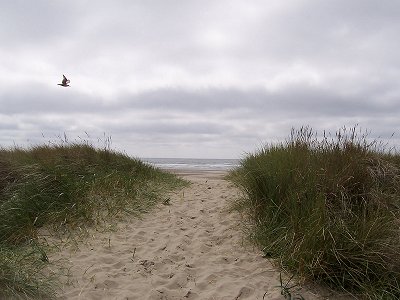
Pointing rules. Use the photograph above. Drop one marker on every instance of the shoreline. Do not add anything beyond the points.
(198, 172)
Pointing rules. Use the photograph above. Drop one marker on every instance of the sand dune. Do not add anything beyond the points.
(190, 249)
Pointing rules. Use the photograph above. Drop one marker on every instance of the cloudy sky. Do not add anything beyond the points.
(196, 78)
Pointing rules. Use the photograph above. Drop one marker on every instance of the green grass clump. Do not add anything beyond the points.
(64, 187)
(328, 209)
(22, 274)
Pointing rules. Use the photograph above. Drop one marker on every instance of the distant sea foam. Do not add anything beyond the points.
(193, 163)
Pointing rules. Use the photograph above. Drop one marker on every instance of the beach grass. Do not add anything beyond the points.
(327, 208)
(61, 187)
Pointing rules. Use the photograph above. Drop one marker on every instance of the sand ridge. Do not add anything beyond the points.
(189, 249)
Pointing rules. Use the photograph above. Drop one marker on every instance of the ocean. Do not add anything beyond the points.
(193, 163)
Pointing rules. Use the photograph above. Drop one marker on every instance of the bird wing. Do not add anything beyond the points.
(65, 80)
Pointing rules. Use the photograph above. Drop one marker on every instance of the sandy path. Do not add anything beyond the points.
(190, 249)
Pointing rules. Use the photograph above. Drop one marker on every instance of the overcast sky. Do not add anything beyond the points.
(196, 78)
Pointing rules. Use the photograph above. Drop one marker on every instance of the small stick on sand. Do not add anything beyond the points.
(133, 254)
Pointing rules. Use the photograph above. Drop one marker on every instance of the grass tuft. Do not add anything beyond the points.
(63, 187)
(327, 208)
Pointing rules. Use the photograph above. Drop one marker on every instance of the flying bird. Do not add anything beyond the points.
(64, 82)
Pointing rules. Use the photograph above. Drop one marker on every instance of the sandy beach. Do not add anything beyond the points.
(189, 248)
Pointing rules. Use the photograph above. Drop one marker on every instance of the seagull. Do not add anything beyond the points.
(65, 82)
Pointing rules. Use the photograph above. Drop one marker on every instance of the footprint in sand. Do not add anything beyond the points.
(190, 249)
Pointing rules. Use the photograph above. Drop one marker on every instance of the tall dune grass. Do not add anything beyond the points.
(327, 208)
(63, 187)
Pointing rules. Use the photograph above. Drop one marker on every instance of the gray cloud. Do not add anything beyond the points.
(197, 78)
